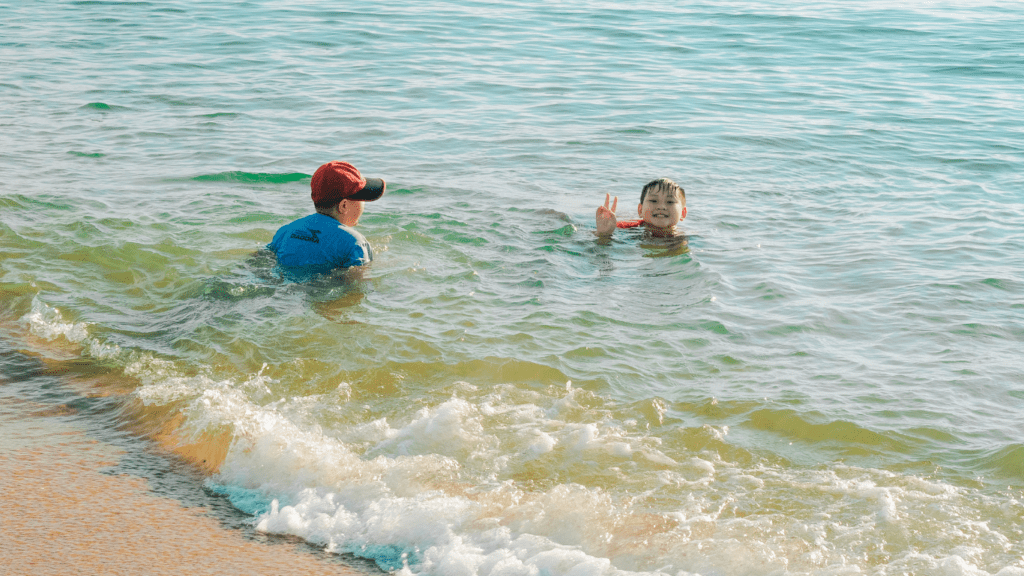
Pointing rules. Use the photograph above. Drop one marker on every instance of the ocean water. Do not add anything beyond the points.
(826, 379)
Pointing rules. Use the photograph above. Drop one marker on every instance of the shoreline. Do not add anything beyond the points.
(84, 499)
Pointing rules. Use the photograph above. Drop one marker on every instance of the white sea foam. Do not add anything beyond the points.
(404, 503)
(447, 490)
(48, 322)
(413, 503)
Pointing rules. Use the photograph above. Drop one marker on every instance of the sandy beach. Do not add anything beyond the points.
(66, 513)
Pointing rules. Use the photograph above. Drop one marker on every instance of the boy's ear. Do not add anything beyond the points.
(640, 209)
(683, 215)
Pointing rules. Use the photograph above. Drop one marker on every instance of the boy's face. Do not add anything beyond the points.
(662, 208)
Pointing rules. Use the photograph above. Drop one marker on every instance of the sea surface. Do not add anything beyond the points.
(826, 379)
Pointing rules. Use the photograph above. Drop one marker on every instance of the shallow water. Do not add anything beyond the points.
(826, 380)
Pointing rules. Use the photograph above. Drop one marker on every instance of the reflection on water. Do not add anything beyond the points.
(657, 247)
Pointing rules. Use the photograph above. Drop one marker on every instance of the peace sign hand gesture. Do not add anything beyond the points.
(606, 216)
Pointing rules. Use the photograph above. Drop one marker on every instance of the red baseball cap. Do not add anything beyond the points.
(337, 181)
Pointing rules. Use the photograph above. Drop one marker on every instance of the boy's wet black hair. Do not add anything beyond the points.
(659, 182)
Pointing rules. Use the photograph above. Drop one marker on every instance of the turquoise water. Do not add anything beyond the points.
(828, 379)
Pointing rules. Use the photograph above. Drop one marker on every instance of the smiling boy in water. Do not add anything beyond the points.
(662, 206)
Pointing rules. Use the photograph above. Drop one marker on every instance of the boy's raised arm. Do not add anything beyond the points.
(606, 216)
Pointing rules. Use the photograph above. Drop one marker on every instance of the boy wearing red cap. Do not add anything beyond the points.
(327, 240)
(662, 206)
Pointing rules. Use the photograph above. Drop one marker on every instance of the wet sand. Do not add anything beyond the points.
(67, 511)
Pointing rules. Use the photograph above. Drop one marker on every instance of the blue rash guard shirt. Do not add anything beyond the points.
(318, 244)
